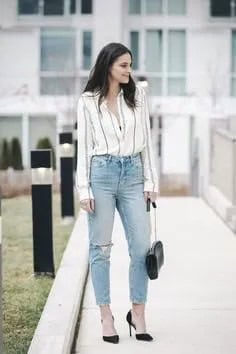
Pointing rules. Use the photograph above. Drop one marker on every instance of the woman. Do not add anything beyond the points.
(116, 170)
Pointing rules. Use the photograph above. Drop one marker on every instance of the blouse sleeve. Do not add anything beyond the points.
(84, 152)
(151, 183)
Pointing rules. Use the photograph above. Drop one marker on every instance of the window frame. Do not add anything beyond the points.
(28, 14)
(67, 6)
(82, 49)
(164, 75)
(173, 14)
(81, 6)
(60, 74)
(223, 17)
(130, 45)
(164, 10)
(233, 72)
(63, 7)
(175, 74)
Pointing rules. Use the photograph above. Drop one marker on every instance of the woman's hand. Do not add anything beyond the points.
(88, 205)
(151, 195)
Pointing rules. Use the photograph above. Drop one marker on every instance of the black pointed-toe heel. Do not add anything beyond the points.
(141, 336)
(111, 339)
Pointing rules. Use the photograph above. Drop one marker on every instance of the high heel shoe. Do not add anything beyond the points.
(111, 339)
(141, 336)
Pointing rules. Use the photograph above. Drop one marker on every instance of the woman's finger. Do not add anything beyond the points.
(87, 205)
(153, 196)
(145, 196)
(92, 204)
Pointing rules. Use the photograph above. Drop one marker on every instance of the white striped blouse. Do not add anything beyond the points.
(99, 133)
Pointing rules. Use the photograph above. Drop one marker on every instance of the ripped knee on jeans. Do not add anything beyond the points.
(105, 248)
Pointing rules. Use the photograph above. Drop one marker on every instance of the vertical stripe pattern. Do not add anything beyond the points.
(98, 135)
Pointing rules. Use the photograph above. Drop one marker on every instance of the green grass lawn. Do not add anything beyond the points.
(24, 296)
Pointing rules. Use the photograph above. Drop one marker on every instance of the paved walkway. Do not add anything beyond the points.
(192, 306)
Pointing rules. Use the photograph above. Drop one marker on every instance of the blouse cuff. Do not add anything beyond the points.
(151, 187)
(85, 193)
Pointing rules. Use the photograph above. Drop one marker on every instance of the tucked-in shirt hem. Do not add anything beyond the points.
(85, 193)
(151, 187)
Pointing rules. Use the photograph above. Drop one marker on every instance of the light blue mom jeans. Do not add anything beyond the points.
(118, 182)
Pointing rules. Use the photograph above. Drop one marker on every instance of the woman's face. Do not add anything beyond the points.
(121, 69)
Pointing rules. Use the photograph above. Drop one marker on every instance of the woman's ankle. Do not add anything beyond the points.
(138, 310)
(105, 312)
(107, 320)
(138, 317)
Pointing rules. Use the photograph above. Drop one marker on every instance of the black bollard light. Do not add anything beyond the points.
(75, 145)
(1, 337)
(67, 180)
(41, 165)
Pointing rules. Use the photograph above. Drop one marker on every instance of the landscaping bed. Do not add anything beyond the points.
(24, 296)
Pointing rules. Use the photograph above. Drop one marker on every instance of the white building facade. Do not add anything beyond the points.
(185, 48)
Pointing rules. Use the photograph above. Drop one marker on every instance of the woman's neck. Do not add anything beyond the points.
(114, 89)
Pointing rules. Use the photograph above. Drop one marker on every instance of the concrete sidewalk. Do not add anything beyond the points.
(192, 306)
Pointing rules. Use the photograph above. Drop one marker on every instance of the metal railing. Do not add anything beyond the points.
(224, 163)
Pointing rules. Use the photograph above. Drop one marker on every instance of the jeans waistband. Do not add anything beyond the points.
(115, 157)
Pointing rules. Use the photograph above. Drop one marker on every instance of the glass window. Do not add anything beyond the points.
(233, 66)
(57, 62)
(134, 45)
(176, 52)
(57, 85)
(86, 6)
(53, 7)
(134, 7)
(28, 7)
(155, 86)
(57, 50)
(83, 82)
(176, 87)
(176, 62)
(176, 7)
(40, 127)
(153, 6)
(234, 52)
(87, 50)
(72, 6)
(221, 8)
(233, 91)
(10, 127)
(154, 51)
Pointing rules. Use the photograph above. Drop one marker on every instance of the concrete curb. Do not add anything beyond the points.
(221, 206)
(56, 327)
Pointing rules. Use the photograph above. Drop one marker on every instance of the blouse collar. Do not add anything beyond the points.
(120, 94)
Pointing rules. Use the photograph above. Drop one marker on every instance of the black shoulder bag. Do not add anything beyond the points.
(155, 255)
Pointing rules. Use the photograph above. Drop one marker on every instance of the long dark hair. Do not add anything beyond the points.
(98, 81)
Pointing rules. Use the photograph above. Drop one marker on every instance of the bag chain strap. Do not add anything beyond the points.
(155, 216)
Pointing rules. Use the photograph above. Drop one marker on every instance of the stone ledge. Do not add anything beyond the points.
(222, 206)
(56, 327)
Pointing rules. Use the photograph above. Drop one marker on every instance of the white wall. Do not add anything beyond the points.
(176, 149)
(108, 23)
(19, 61)
(208, 62)
(198, 11)
(8, 12)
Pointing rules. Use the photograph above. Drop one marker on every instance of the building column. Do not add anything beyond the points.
(25, 139)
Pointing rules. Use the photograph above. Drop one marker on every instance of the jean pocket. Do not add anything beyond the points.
(98, 161)
(138, 162)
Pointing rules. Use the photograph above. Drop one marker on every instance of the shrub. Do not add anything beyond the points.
(45, 143)
(4, 155)
(16, 155)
